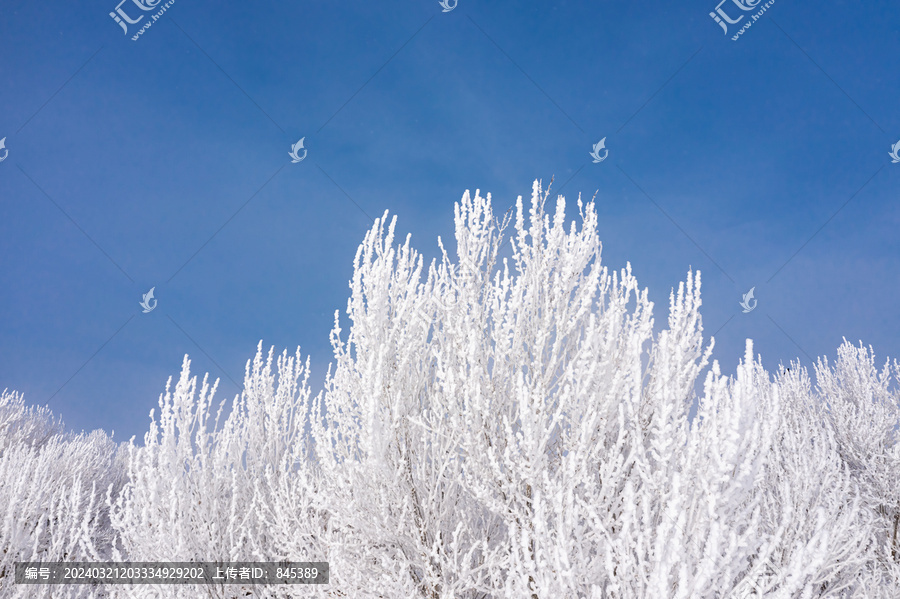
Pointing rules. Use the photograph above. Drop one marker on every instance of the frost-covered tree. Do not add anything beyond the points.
(865, 416)
(512, 444)
(52, 485)
(21, 425)
(239, 492)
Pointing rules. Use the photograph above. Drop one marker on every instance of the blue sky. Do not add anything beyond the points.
(163, 162)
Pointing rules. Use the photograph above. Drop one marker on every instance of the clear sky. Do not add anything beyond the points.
(163, 162)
